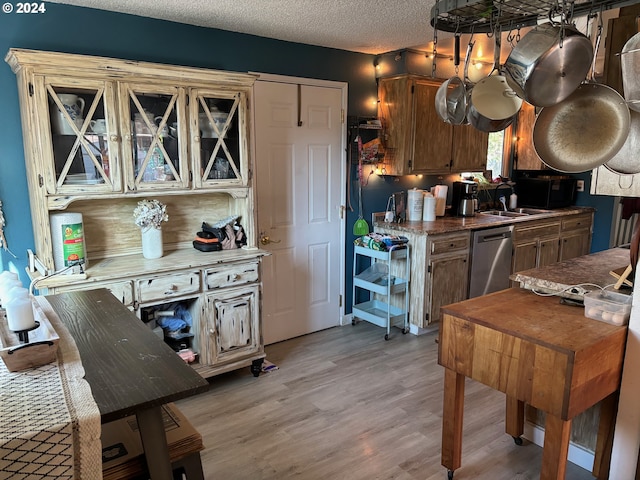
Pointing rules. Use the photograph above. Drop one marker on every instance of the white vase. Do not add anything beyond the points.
(152, 243)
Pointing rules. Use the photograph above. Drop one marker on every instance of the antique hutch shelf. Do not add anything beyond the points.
(101, 134)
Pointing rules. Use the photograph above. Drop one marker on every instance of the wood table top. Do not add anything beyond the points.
(128, 367)
(538, 319)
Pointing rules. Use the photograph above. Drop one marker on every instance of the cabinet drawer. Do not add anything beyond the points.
(576, 222)
(163, 286)
(123, 291)
(526, 233)
(231, 275)
(448, 244)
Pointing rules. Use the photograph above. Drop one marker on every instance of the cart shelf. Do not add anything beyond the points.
(378, 280)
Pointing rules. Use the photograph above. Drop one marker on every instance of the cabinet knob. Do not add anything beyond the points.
(127, 136)
(196, 138)
(113, 138)
(235, 277)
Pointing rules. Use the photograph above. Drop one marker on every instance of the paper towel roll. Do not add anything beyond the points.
(441, 199)
(415, 201)
(67, 240)
(429, 208)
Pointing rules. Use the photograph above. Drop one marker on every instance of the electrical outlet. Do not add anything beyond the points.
(580, 185)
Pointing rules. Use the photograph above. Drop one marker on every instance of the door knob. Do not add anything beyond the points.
(265, 240)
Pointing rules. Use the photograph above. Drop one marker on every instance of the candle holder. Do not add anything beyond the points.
(23, 335)
(29, 348)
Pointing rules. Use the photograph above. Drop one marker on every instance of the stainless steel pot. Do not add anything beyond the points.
(583, 131)
(493, 105)
(625, 162)
(451, 96)
(548, 64)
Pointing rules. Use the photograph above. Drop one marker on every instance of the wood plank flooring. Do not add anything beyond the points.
(346, 404)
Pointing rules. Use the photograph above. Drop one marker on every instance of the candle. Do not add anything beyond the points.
(7, 283)
(20, 313)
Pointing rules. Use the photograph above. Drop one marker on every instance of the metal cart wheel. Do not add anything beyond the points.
(386, 336)
(518, 441)
(450, 474)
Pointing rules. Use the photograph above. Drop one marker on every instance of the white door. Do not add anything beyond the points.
(299, 135)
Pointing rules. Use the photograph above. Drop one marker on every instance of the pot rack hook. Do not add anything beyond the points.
(434, 52)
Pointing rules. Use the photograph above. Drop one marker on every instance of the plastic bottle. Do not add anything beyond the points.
(513, 201)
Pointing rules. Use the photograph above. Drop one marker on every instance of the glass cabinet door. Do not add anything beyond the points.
(153, 145)
(81, 126)
(217, 120)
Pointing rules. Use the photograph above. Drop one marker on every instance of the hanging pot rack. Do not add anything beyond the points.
(480, 16)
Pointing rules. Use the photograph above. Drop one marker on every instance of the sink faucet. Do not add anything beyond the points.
(503, 201)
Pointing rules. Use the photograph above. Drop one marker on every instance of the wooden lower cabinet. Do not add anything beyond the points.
(223, 300)
(535, 244)
(575, 236)
(447, 282)
(230, 329)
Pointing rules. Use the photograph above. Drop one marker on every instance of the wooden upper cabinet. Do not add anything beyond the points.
(416, 139)
(525, 154)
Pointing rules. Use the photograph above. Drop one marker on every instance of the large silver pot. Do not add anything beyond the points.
(548, 64)
(451, 96)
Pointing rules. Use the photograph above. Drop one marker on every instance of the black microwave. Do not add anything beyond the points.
(546, 191)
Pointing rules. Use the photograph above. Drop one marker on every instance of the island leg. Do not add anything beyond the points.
(556, 448)
(514, 421)
(452, 412)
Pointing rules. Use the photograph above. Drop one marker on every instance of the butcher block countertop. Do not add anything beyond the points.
(449, 224)
(576, 276)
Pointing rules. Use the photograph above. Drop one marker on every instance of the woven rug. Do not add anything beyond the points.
(49, 421)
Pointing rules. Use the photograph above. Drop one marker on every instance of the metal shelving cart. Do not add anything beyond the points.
(381, 284)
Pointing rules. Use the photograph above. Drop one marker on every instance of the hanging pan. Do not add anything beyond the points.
(625, 162)
(451, 96)
(549, 63)
(585, 130)
(494, 105)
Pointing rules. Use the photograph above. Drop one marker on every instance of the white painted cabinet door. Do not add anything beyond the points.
(299, 177)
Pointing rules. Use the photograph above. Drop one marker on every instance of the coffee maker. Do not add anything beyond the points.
(464, 198)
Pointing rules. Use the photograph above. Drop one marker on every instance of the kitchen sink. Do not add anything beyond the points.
(532, 211)
(502, 213)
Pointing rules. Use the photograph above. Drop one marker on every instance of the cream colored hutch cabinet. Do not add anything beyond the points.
(101, 134)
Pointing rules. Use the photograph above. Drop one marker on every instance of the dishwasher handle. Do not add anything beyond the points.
(493, 237)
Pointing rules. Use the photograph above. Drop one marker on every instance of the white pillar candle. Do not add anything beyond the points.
(20, 313)
(7, 285)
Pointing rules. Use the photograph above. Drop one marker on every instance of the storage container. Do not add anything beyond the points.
(606, 306)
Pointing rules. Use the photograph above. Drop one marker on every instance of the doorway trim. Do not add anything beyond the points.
(344, 90)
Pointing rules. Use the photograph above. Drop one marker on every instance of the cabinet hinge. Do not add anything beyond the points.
(409, 164)
(135, 305)
(340, 301)
(250, 174)
(426, 316)
(190, 176)
(342, 116)
(413, 88)
(429, 269)
(31, 89)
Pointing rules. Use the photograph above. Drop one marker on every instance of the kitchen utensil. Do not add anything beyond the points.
(548, 64)
(494, 105)
(625, 162)
(360, 227)
(630, 65)
(451, 96)
(585, 130)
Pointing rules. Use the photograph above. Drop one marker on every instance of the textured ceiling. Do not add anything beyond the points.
(366, 26)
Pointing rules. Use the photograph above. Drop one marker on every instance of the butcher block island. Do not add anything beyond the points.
(538, 352)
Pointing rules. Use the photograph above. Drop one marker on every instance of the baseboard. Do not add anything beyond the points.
(346, 319)
(416, 330)
(577, 454)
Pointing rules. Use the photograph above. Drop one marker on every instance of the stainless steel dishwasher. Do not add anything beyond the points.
(490, 260)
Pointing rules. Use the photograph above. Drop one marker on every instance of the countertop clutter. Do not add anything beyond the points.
(448, 224)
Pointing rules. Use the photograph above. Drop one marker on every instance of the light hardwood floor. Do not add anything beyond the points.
(346, 404)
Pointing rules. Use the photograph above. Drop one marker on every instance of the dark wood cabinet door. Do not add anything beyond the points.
(469, 149)
(432, 136)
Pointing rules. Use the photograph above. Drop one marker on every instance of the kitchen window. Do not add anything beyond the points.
(495, 154)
